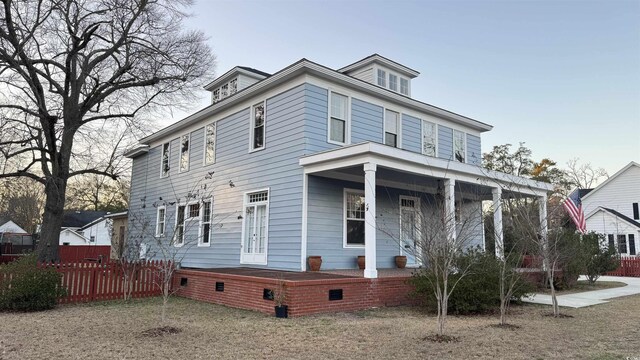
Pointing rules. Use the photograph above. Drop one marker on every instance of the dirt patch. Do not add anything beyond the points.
(161, 331)
(560, 316)
(505, 326)
(442, 338)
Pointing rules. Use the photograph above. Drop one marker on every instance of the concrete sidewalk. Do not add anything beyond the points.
(589, 298)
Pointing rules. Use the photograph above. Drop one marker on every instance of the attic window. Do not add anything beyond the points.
(404, 86)
(233, 86)
(225, 90)
(382, 78)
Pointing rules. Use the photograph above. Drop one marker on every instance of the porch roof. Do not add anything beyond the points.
(411, 162)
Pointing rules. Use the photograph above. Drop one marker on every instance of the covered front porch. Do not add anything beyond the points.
(369, 189)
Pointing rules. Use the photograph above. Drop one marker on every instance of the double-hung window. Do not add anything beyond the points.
(428, 138)
(636, 211)
(184, 153)
(354, 218)
(382, 78)
(391, 128)
(459, 151)
(210, 144)
(632, 244)
(216, 95)
(205, 223)
(393, 82)
(178, 239)
(161, 218)
(257, 126)
(233, 86)
(166, 155)
(224, 91)
(622, 244)
(404, 86)
(338, 118)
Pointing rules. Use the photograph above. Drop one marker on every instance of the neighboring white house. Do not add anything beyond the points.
(612, 209)
(71, 237)
(85, 228)
(8, 226)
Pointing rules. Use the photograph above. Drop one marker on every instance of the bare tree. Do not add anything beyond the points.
(584, 176)
(98, 193)
(70, 69)
(22, 201)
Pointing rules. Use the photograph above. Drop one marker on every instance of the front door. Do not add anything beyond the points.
(254, 234)
(410, 228)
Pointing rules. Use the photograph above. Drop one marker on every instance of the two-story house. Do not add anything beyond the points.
(323, 162)
(612, 209)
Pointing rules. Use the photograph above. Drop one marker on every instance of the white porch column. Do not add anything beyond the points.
(542, 209)
(370, 227)
(498, 230)
(450, 208)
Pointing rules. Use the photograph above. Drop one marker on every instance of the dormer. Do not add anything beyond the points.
(380, 71)
(233, 81)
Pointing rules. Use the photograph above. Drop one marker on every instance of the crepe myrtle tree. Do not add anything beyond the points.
(152, 236)
(71, 71)
(437, 237)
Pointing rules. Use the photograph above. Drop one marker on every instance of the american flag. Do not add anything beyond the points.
(573, 205)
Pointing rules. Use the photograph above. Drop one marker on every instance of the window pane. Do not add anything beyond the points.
(632, 244)
(194, 210)
(210, 146)
(428, 138)
(165, 159)
(458, 146)
(393, 82)
(338, 106)
(337, 130)
(184, 153)
(258, 126)
(391, 139)
(355, 206)
(382, 78)
(404, 86)
(622, 244)
(233, 86)
(391, 122)
(612, 244)
(224, 91)
(355, 232)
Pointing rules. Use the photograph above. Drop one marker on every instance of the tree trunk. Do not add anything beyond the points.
(54, 190)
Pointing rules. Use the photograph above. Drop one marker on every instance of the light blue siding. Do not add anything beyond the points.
(445, 142)
(366, 122)
(411, 133)
(474, 152)
(276, 168)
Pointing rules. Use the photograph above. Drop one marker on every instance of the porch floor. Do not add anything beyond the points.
(308, 275)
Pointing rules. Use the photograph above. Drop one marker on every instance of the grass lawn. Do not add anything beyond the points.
(113, 330)
(583, 285)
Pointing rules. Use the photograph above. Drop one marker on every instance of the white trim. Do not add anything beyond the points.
(180, 153)
(604, 210)
(215, 142)
(245, 203)
(621, 171)
(347, 121)
(252, 126)
(229, 75)
(305, 212)
(384, 61)
(201, 223)
(175, 228)
(164, 221)
(344, 218)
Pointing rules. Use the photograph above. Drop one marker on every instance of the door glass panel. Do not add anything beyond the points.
(261, 212)
(248, 230)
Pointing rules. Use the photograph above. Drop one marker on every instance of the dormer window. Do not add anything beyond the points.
(382, 78)
(404, 86)
(224, 91)
(233, 86)
(393, 82)
(216, 95)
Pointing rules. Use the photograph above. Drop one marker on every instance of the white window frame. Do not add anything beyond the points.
(164, 221)
(245, 203)
(346, 191)
(423, 128)
(188, 154)
(215, 143)
(453, 145)
(162, 175)
(252, 126)
(347, 121)
(384, 77)
(202, 223)
(399, 129)
(418, 207)
(408, 86)
(397, 89)
(184, 225)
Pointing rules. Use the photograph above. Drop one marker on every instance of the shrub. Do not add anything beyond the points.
(601, 258)
(476, 292)
(28, 288)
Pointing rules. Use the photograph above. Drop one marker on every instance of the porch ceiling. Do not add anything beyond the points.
(402, 167)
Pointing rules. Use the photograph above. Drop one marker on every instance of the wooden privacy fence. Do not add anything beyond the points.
(629, 266)
(91, 281)
(69, 253)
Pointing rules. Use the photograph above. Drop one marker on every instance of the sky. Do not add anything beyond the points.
(562, 77)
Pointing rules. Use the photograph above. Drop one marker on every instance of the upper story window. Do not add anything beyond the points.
(166, 155)
(391, 128)
(210, 144)
(257, 126)
(459, 151)
(161, 217)
(404, 86)
(225, 90)
(428, 138)
(393, 82)
(233, 86)
(636, 213)
(382, 78)
(338, 118)
(178, 238)
(184, 153)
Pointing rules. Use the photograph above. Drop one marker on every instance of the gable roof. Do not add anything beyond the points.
(300, 67)
(620, 172)
(615, 213)
(77, 218)
(251, 72)
(74, 233)
(383, 60)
